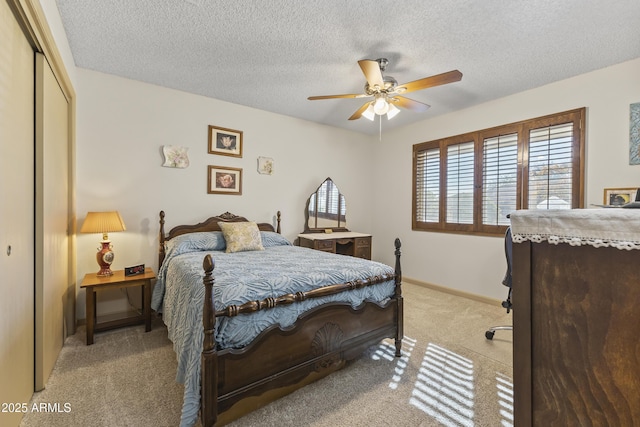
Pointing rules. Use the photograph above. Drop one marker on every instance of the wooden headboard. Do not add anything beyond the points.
(210, 224)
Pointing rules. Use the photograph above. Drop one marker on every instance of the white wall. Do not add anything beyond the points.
(122, 125)
(476, 264)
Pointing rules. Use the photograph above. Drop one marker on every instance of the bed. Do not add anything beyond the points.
(255, 318)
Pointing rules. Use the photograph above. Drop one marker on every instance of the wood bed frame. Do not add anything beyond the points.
(279, 361)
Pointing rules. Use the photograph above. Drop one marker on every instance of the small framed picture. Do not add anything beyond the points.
(226, 142)
(265, 165)
(224, 180)
(619, 196)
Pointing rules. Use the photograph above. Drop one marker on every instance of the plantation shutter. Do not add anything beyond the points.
(460, 173)
(470, 182)
(322, 199)
(332, 201)
(427, 193)
(551, 167)
(499, 178)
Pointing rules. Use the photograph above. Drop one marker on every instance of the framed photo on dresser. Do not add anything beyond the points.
(619, 196)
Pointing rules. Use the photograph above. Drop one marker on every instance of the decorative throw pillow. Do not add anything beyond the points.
(241, 236)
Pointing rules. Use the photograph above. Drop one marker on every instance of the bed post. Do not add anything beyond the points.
(209, 358)
(400, 302)
(161, 240)
(278, 223)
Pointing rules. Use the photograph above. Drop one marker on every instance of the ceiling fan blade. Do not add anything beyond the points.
(372, 73)
(437, 80)
(358, 114)
(409, 104)
(349, 95)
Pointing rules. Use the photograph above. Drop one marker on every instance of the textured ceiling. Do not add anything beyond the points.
(273, 54)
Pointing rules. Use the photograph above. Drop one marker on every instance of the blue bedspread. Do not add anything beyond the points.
(241, 277)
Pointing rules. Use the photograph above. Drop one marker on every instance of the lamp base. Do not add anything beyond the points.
(105, 258)
(104, 272)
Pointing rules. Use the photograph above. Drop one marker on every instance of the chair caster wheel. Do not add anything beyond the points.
(489, 335)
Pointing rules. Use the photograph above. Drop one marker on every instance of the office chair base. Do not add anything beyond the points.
(489, 334)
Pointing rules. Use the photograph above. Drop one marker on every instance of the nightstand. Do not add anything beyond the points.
(93, 283)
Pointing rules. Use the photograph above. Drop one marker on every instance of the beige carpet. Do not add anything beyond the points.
(450, 376)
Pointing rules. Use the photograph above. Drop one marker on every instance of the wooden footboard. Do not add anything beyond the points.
(279, 361)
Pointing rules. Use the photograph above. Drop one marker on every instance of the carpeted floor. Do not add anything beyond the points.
(450, 375)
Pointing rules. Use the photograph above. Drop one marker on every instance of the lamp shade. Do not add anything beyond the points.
(369, 113)
(393, 111)
(102, 222)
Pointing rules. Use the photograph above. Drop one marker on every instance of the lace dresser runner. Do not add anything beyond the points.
(608, 227)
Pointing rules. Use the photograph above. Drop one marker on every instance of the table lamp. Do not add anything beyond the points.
(103, 222)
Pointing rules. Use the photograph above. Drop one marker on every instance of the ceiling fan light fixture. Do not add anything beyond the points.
(381, 106)
(369, 113)
(387, 94)
(393, 111)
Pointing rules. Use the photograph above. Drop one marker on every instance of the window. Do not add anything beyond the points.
(499, 178)
(470, 183)
(459, 194)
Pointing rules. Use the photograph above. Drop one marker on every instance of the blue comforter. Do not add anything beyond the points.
(241, 277)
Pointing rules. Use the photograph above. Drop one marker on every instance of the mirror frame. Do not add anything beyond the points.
(308, 229)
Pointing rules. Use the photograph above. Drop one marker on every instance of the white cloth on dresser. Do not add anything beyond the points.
(608, 227)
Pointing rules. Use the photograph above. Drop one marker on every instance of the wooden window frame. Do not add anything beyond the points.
(522, 129)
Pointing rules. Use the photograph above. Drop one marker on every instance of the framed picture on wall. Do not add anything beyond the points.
(619, 196)
(226, 142)
(224, 180)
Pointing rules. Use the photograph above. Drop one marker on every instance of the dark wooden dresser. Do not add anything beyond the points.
(576, 318)
(344, 243)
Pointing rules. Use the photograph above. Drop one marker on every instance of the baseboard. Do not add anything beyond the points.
(452, 291)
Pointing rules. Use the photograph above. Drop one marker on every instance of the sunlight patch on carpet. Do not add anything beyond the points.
(387, 351)
(505, 399)
(444, 388)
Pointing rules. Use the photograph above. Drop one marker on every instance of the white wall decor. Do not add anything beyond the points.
(175, 156)
(265, 165)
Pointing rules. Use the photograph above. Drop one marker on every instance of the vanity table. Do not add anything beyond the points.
(344, 243)
(325, 225)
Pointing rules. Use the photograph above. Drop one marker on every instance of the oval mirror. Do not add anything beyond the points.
(326, 209)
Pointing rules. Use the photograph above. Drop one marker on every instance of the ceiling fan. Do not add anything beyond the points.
(387, 93)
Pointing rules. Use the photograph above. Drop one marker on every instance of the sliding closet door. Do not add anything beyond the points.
(52, 219)
(16, 216)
